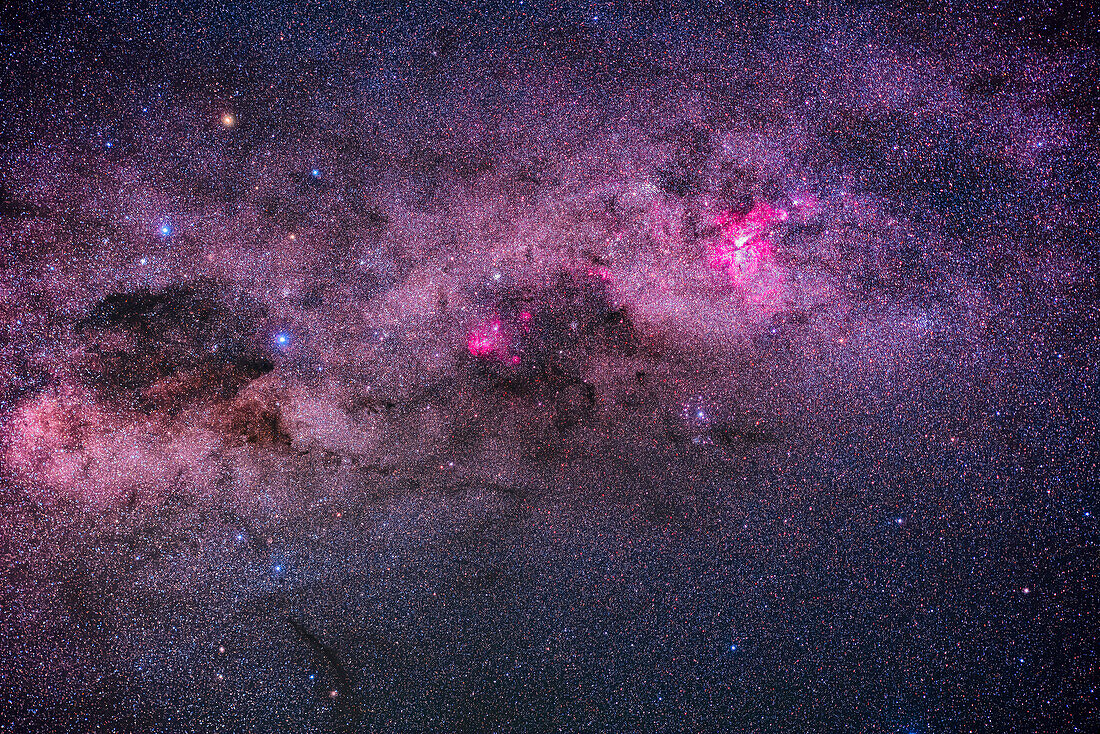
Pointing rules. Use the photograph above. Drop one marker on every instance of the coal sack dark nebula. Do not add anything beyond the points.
(573, 367)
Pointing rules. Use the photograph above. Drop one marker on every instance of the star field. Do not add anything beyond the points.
(521, 367)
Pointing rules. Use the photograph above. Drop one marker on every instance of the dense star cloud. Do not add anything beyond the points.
(584, 367)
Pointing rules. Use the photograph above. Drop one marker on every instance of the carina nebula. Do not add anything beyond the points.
(572, 367)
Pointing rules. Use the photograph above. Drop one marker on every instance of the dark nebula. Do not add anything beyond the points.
(159, 351)
(575, 367)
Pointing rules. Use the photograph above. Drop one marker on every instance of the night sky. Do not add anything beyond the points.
(524, 367)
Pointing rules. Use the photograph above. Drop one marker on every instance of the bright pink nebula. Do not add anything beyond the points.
(487, 340)
(742, 249)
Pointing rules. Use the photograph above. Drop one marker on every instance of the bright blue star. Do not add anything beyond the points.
(316, 173)
(165, 230)
(282, 339)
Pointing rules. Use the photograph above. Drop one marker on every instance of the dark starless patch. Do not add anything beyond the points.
(161, 350)
(15, 209)
(20, 378)
(256, 422)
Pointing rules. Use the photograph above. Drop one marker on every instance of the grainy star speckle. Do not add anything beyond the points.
(520, 367)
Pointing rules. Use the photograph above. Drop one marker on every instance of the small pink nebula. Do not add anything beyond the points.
(491, 340)
(486, 340)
